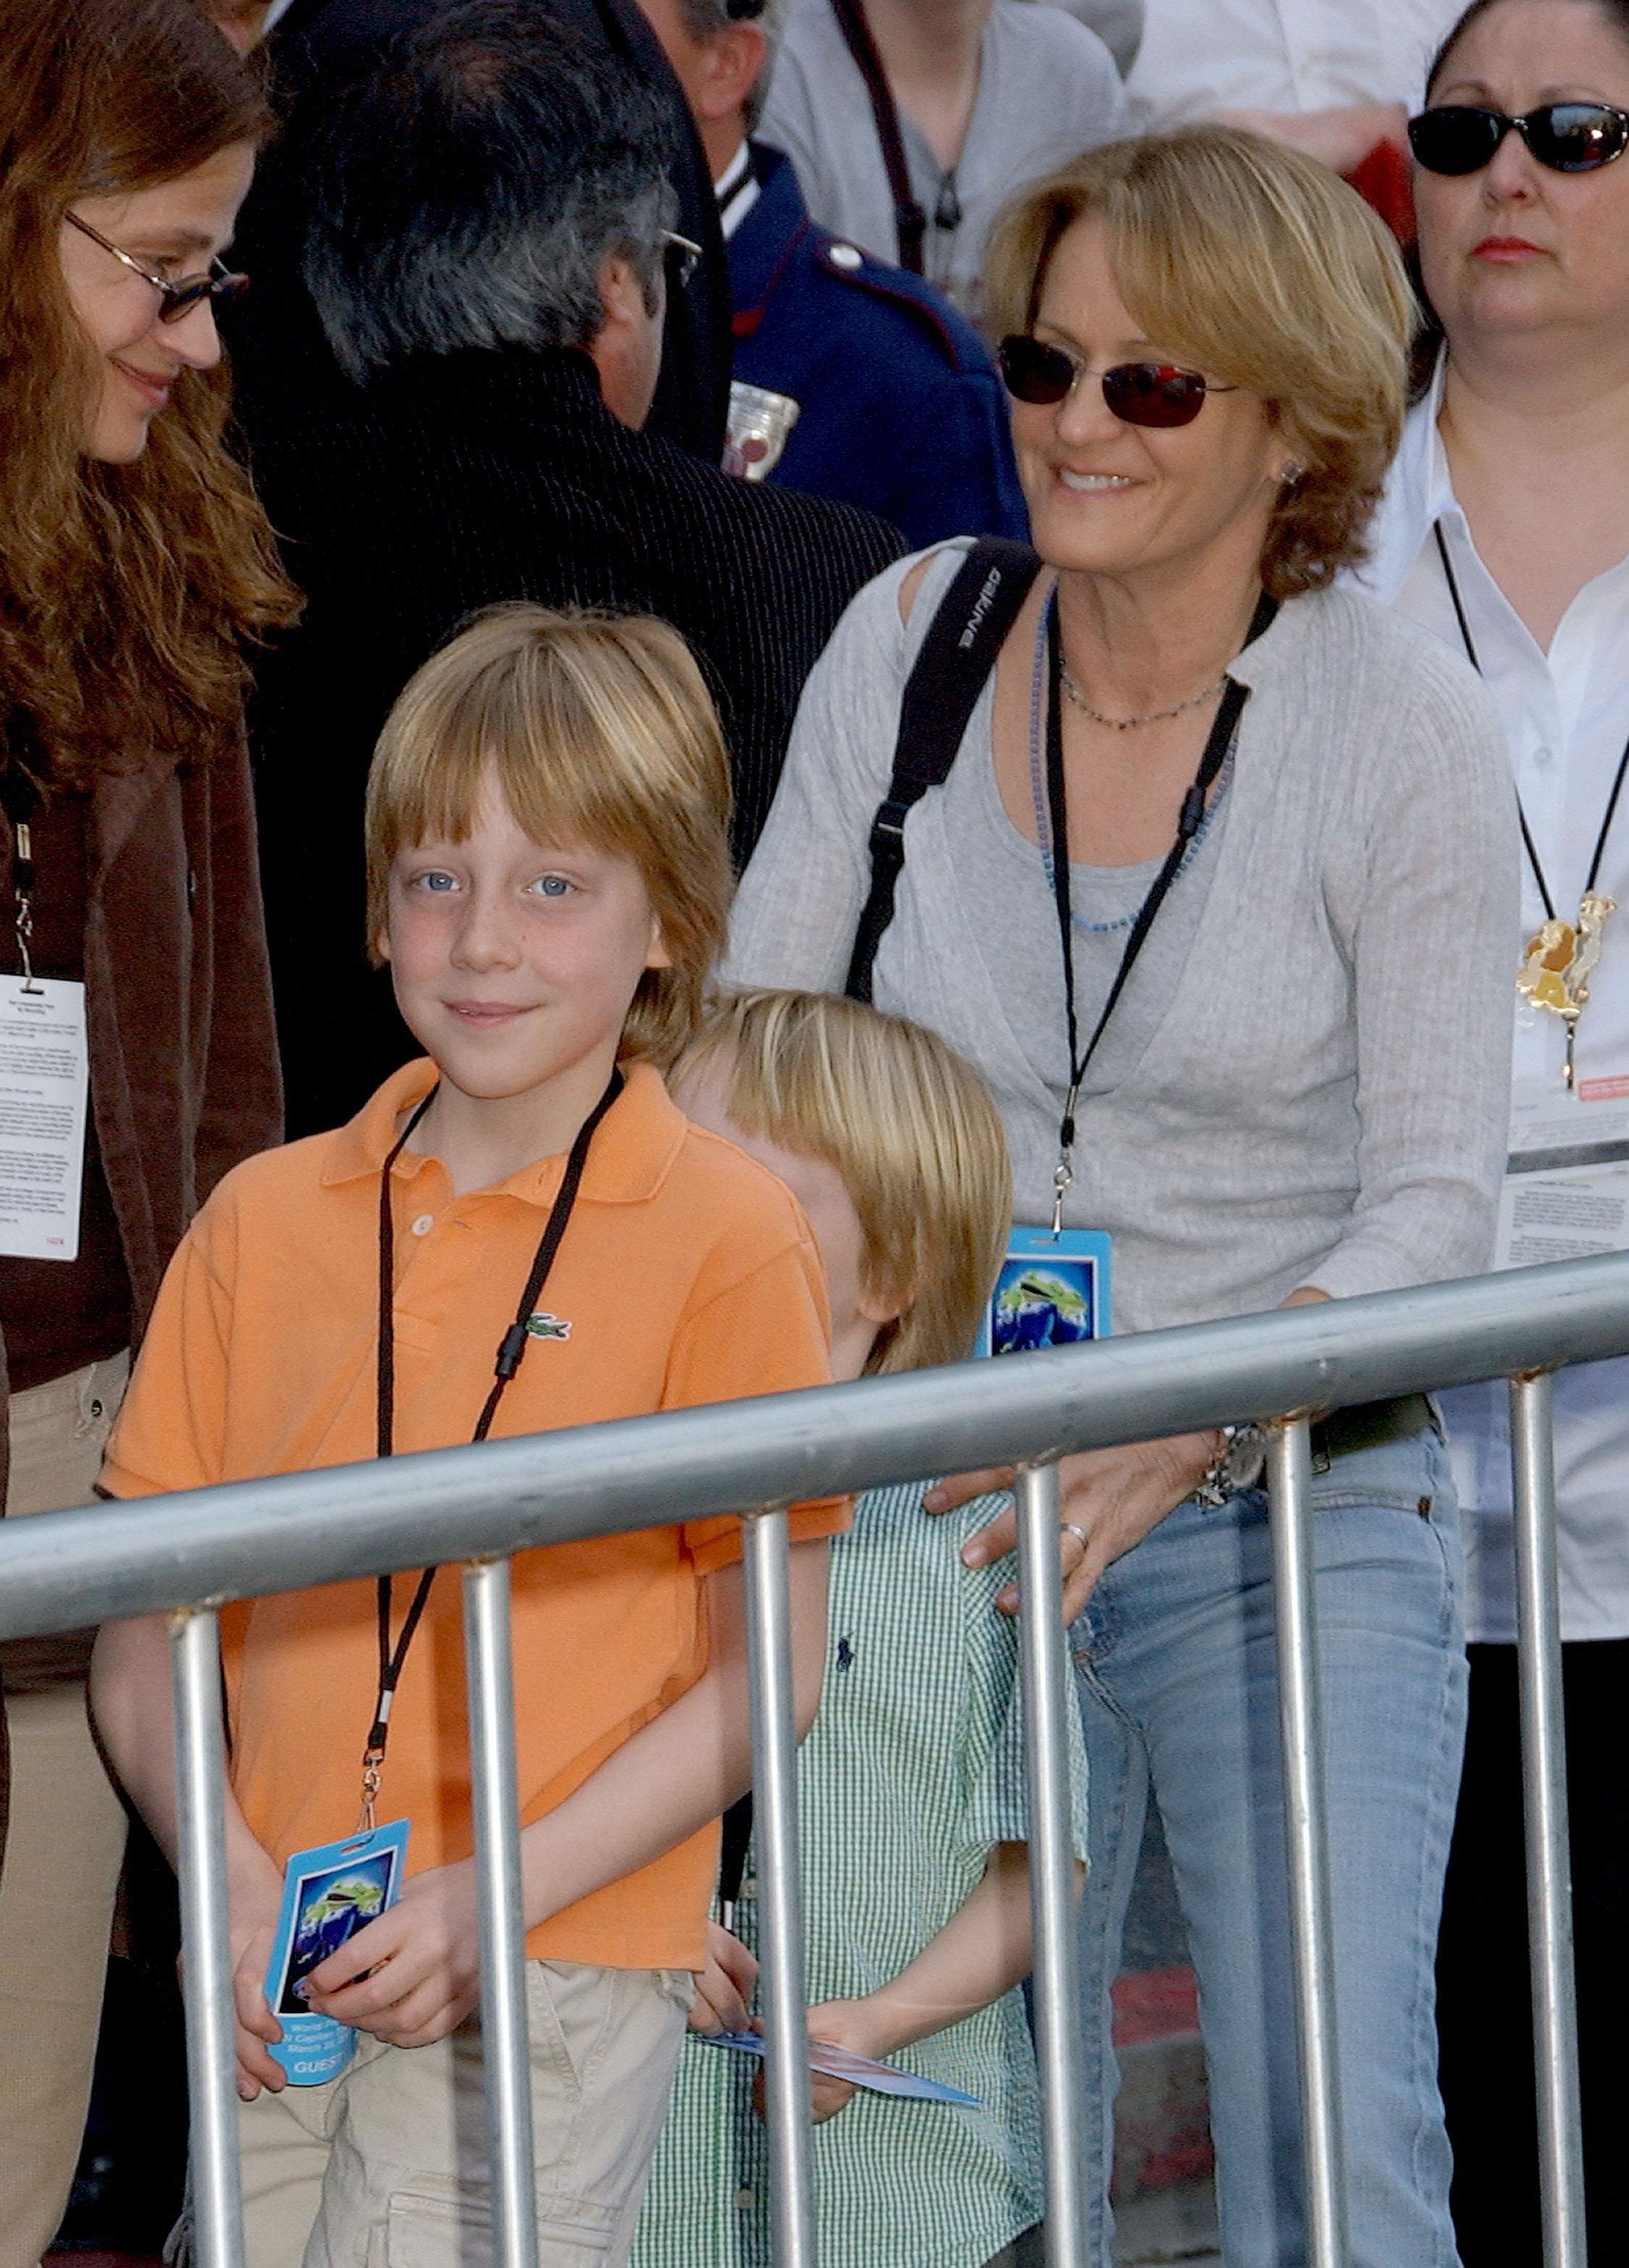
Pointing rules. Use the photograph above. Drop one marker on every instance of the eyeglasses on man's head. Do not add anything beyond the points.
(681, 256)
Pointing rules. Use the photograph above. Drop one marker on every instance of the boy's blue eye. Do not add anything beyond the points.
(436, 881)
(552, 885)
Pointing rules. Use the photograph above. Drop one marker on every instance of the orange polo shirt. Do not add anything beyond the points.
(686, 1274)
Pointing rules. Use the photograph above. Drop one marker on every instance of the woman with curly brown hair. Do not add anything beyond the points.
(1214, 894)
(133, 564)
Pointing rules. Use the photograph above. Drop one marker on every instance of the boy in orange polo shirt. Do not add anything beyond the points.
(549, 882)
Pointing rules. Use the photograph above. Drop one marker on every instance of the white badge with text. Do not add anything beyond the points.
(1565, 1192)
(44, 1077)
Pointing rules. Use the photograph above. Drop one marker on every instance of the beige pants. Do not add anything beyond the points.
(386, 2167)
(61, 1856)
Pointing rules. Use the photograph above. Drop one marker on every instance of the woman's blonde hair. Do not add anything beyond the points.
(911, 1131)
(1259, 267)
(598, 730)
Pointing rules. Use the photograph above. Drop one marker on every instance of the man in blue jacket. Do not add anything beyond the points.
(891, 399)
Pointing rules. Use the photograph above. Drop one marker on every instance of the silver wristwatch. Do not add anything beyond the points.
(1236, 1465)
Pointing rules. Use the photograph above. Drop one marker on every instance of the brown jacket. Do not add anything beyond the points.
(184, 1077)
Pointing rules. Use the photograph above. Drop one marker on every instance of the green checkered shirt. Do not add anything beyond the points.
(913, 1771)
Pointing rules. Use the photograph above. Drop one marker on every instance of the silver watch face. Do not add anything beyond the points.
(1242, 1462)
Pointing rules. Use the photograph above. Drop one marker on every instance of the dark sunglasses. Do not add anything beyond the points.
(174, 299)
(1568, 137)
(1138, 393)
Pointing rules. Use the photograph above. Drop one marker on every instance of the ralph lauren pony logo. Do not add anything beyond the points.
(547, 1327)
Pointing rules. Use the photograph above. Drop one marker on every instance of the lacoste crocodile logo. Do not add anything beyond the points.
(547, 1327)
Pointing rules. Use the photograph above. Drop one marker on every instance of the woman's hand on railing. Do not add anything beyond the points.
(414, 1974)
(722, 1985)
(1108, 1499)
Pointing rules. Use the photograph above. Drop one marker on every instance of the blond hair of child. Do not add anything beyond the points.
(600, 731)
(910, 1130)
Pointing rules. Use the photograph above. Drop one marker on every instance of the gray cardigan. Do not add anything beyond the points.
(1316, 1094)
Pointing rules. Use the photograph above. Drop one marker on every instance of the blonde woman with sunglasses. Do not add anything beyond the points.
(1289, 841)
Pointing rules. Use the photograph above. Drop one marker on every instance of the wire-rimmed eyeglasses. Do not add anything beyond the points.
(174, 299)
(680, 255)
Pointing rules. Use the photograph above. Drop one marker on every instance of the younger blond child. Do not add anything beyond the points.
(548, 880)
(911, 1783)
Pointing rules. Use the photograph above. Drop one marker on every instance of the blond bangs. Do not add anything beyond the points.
(910, 1129)
(1259, 266)
(599, 732)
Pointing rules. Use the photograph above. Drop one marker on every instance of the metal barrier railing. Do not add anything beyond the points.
(187, 1554)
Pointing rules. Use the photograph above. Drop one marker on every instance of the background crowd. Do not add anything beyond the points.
(754, 318)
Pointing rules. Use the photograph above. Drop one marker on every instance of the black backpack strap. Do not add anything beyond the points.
(956, 656)
(910, 221)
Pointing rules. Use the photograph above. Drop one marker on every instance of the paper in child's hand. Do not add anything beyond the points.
(857, 2070)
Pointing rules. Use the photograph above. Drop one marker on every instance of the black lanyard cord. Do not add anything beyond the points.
(1192, 818)
(511, 1347)
(20, 799)
(1452, 580)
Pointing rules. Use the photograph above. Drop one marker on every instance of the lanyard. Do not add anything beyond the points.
(511, 1347)
(1452, 581)
(1557, 964)
(1188, 824)
(21, 800)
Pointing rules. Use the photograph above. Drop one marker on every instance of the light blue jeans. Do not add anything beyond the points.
(1179, 1695)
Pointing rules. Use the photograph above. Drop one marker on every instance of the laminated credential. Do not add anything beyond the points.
(328, 1895)
(1052, 1290)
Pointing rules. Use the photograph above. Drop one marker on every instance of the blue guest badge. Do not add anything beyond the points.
(328, 1894)
(1052, 1290)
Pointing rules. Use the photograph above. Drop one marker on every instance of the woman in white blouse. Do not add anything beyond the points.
(1297, 1095)
(1505, 529)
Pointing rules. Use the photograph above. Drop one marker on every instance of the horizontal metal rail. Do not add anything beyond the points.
(62, 1570)
(481, 1504)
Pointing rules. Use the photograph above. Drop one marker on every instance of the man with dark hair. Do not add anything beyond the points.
(280, 360)
(488, 256)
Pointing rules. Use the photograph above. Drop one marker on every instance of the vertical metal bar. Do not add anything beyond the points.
(505, 2041)
(206, 1933)
(1549, 1863)
(1306, 1834)
(767, 1555)
(1052, 1874)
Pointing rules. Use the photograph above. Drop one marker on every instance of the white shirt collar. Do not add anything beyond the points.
(735, 190)
(1418, 491)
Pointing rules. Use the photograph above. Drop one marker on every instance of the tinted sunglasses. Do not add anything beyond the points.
(1568, 137)
(174, 299)
(1138, 393)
